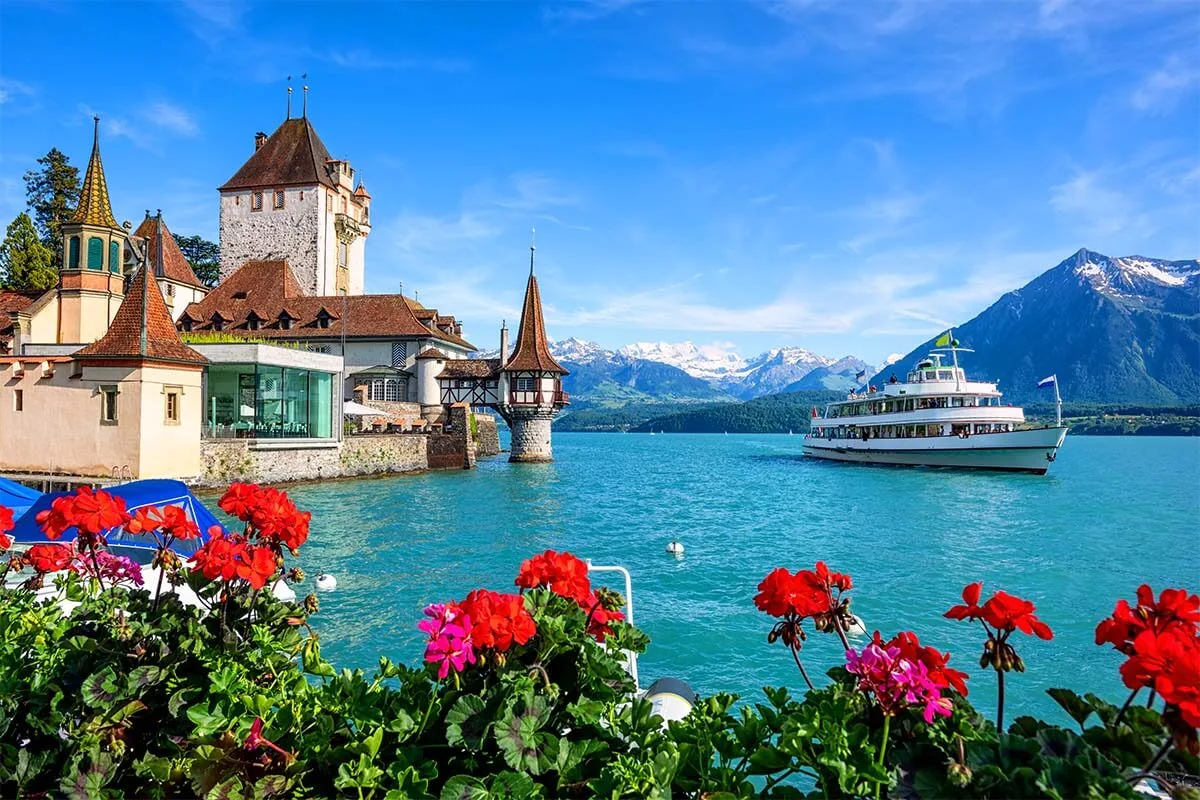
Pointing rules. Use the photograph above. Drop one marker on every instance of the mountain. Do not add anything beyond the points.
(839, 376)
(775, 413)
(1112, 330)
(649, 371)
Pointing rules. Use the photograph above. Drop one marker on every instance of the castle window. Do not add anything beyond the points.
(95, 253)
(278, 198)
(329, 203)
(392, 390)
(108, 404)
(301, 194)
(114, 258)
(525, 385)
(285, 322)
(256, 201)
(185, 323)
(218, 324)
(343, 254)
(73, 253)
(252, 322)
(343, 205)
(171, 405)
(18, 400)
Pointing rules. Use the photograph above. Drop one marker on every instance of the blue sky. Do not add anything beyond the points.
(847, 177)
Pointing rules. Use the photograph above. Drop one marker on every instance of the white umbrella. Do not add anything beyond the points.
(353, 409)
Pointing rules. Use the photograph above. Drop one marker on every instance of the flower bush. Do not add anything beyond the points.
(522, 694)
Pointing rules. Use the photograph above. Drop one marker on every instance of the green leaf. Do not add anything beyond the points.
(1076, 707)
(768, 759)
(313, 663)
(466, 723)
(514, 786)
(464, 787)
(145, 676)
(521, 739)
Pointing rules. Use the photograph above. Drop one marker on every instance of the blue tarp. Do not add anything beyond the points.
(137, 495)
(17, 496)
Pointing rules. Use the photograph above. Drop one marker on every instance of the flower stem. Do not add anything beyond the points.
(837, 625)
(1150, 701)
(803, 672)
(1148, 770)
(887, 725)
(1124, 708)
(1000, 701)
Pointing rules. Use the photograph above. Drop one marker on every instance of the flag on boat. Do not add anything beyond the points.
(946, 340)
(1044, 382)
(862, 373)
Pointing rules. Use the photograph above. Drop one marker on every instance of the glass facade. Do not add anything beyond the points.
(267, 402)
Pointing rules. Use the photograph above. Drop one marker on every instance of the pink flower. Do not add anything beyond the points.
(450, 642)
(897, 682)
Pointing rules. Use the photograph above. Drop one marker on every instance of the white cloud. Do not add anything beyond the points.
(1100, 209)
(1164, 87)
(11, 90)
(171, 118)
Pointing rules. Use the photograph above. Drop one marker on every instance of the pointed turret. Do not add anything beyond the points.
(94, 206)
(142, 329)
(532, 351)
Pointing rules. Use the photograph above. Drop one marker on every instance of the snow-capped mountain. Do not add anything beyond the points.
(1112, 330)
(715, 371)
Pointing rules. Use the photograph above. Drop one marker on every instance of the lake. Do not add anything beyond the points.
(1112, 513)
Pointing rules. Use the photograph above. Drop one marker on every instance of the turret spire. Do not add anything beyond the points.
(94, 206)
(532, 248)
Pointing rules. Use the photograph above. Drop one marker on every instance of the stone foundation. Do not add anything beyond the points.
(531, 435)
(487, 436)
(279, 461)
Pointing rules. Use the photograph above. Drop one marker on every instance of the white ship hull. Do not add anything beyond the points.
(1031, 450)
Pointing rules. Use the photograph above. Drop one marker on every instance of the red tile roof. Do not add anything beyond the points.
(268, 288)
(532, 352)
(292, 156)
(12, 301)
(174, 265)
(471, 368)
(124, 339)
(433, 352)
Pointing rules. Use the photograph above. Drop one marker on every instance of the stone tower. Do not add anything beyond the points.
(531, 382)
(91, 277)
(294, 202)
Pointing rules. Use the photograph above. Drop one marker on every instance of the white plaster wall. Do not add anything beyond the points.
(290, 233)
(169, 450)
(183, 296)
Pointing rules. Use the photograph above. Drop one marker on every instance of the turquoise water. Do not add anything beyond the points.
(1112, 513)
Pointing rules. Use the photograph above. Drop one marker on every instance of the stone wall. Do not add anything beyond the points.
(289, 233)
(445, 451)
(487, 436)
(531, 434)
(265, 461)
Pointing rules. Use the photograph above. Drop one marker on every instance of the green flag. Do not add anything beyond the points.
(944, 340)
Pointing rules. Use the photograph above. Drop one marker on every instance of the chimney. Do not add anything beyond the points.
(503, 342)
(260, 139)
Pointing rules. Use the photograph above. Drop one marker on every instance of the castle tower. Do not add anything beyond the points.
(531, 382)
(294, 202)
(176, 281)
(91, 279)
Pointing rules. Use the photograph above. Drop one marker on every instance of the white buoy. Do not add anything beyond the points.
(675, 548)
(326, 583)
(857, 627)
(283, 592)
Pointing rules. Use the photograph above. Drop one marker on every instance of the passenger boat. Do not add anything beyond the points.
(936, 418)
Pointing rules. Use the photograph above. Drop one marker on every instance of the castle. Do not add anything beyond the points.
(129, 328)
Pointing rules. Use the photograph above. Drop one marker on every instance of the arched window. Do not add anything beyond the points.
(114, 258)
(376, 392)
(392, 389)
(73, 253)
(95, 253)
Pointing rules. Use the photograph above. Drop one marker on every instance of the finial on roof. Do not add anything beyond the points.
(289, 110)
(304, 106)
(95, 130)
(532, 247)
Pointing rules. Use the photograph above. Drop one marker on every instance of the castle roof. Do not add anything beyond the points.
(293, 155)
(163, 253)
(268, 289)
(532, 351)
(142, 329)
(432, 352)
(94, 206)
(471, 368)
(12, 301)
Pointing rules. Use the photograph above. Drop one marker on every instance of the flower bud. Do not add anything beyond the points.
(1018, 662)
(34, 583)
(311, 604)
(959, 775)
(772, 637)
(295, 575)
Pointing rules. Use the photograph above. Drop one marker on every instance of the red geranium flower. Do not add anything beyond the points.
(1003, 611)
(97, 511)
(803, 594)
(562, 573)
(935, 661)
(599, 626)
(55, 520)
(49, 557)
(254, 564)
(240, 500)
(1175, 608)
(214, 559)
(175, 522)
(6, 525)
(498, 620)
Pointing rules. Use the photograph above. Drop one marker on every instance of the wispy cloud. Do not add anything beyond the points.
(12, 91)
(361, 59)
(171, 118)
(1164, 87)
(587, 10)
(1098, 207)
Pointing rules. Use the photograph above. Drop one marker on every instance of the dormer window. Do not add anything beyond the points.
(239, 295)
(185, 322)
(285, 321)
(322, 320)
(218, 322)
(252, 321)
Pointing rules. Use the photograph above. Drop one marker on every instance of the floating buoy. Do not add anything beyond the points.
(283, 592)
(326, 583)
(856, 627)
(675, 548)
